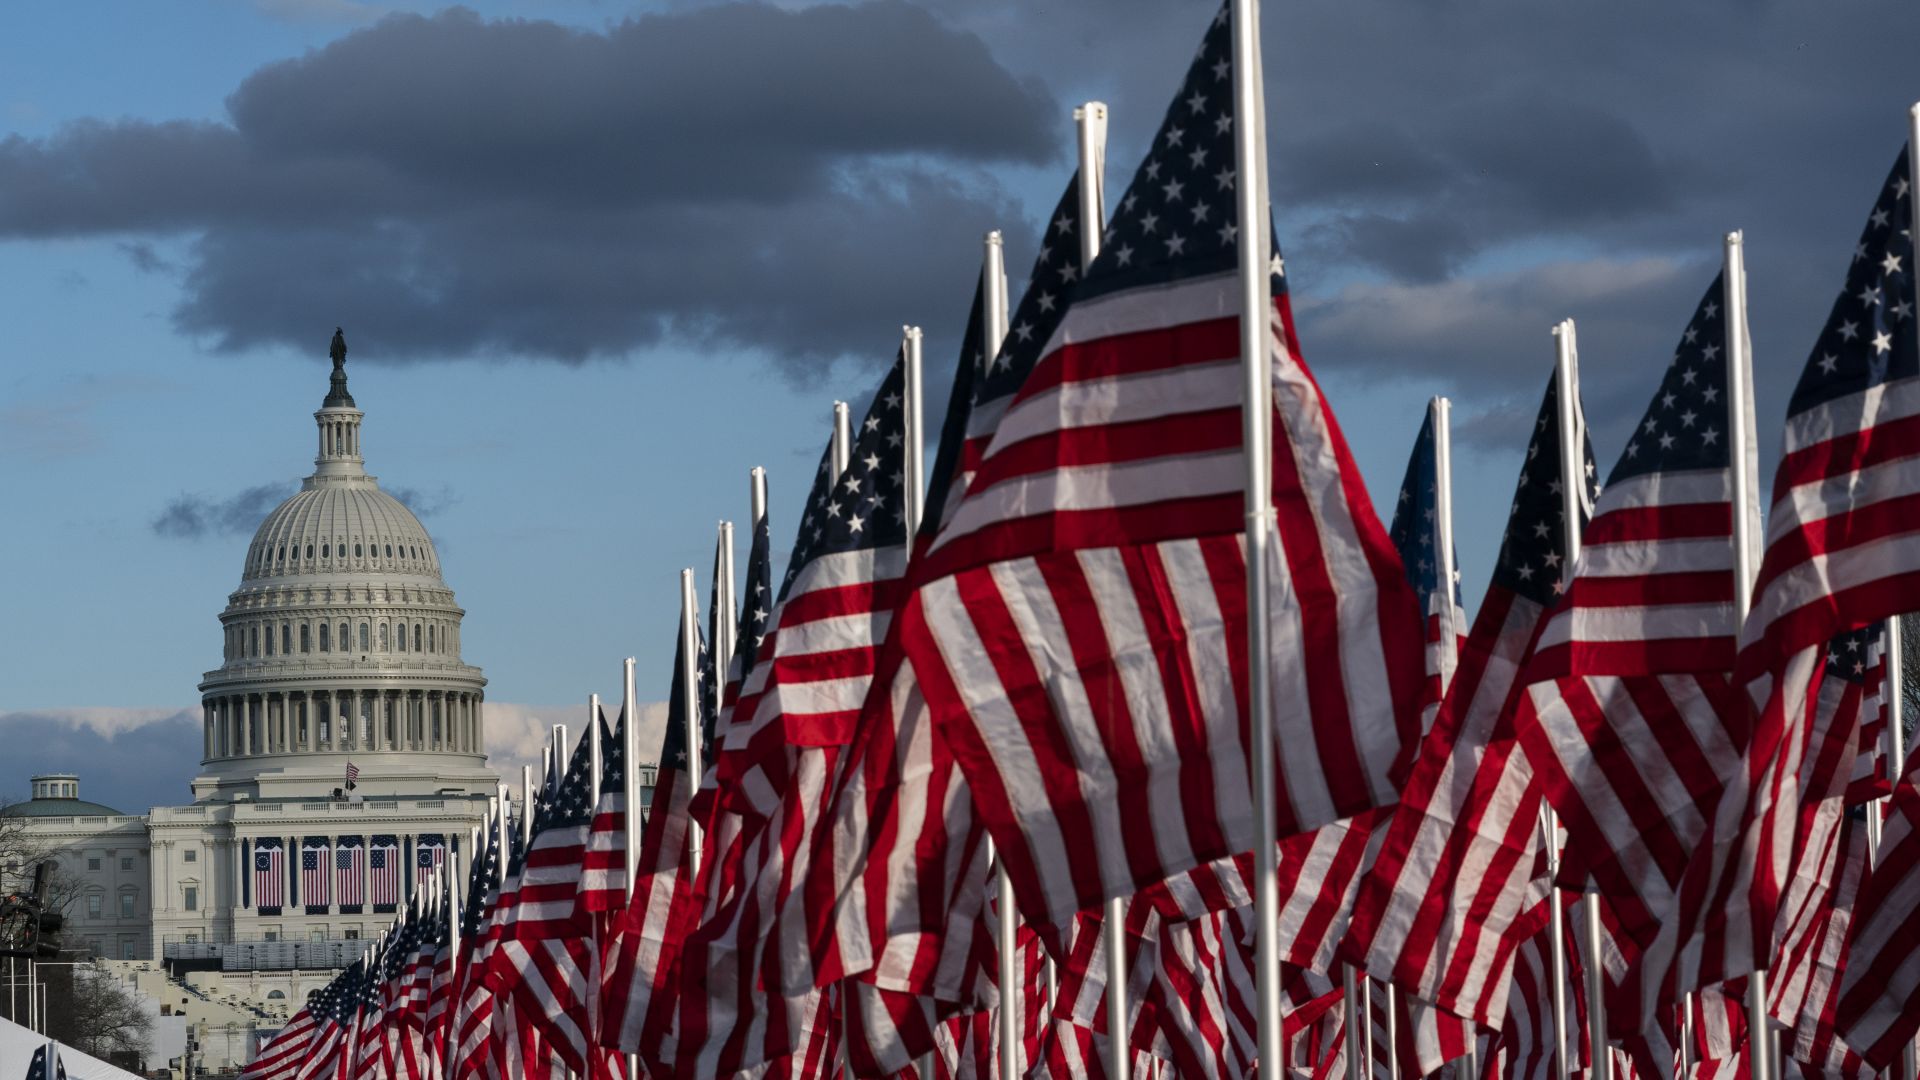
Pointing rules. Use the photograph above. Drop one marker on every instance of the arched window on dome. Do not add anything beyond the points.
(383, 637)
(269, 639)
(286, 639)
(283, 553)
(326, 551)
(389, 551)
(255, 635)
(356, 551)
(431, 647)
(416, 637)
(306, 638)
(325, 645)
(363, 638)
(401, 644)
(309, 552)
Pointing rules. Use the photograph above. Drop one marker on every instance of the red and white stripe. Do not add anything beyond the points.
(1837, 557)
(1454, 886)
(1816, 915)
(284, 1054)
(636, 994)
(1879, 1007)
(269, 881)
(1096, 578)
(603, 885)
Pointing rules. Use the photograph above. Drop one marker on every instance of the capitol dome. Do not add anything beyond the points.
(342, 643)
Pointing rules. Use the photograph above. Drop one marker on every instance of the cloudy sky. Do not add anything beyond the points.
(595, 260)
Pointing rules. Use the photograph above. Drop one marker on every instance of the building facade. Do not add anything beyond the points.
(343, 742)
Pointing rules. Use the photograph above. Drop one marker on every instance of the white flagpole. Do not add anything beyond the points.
(911, 377)
(557, 764)
(500, 823)
(757, 497)
(689, 671)
(630, 774)
(993, 295)
(593, 751)
(1441, 410)
(842, 439)
(1393, 1032)
(1746, 534)
(723, 633)
(526, 796)
(1090, 130)
(1571, 462)
(1895, 712)
(1256, 329)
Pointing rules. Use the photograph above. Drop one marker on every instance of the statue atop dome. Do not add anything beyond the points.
(337, 396)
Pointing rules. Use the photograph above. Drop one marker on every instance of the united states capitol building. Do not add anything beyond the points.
(341, 646)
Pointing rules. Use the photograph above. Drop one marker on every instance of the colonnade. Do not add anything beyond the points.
(307, 721)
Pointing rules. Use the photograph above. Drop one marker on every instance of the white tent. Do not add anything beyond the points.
(17, 1046)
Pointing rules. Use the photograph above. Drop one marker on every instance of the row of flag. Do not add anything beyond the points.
(351, 871)
(970, 790)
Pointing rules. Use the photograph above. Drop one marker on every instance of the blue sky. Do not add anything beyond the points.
(1449, 184)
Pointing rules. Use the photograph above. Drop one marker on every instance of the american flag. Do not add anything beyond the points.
(315, 873)
(549, 950)
(1839, 556)
(443, 988)
(350, 873)
(603, 885)
(797, 707)
(1416, 535)
(269, 876)
(370, 1058)
(429, 855)
(1857, 673)
(332, 1007)
(353, 773)
(1630, 720)
(1879, 1007)
(904, 865)
(1203, 994)
(1804, 978)
(637, 996)
(470, 1029)
(1448, 898)
(284, 1054)
(383, 872)
(46, 1064)
(1082, 593)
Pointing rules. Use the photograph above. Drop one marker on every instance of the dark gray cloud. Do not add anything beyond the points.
(424, 502)
(195, 517)
(192, 517)
(129, 759)
(1441, 172)
(738, 175)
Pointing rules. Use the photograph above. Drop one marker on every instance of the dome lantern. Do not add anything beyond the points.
(339, 422)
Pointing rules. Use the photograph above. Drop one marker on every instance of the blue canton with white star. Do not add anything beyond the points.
(570, 802)
(1415, 531)
(862, 509)
(757, 605)
(1178, 218)
(1686, 424)
(673, 742)
(1869, 337)
(482, 876)
(1030, 324)
(1533, 550)
(1849, 656)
